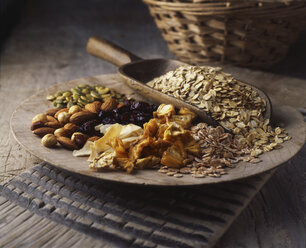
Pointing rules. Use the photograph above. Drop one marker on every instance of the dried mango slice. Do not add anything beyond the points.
(84, 151)
(174, 156)
(102, 144)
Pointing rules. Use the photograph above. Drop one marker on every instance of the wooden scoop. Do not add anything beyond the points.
(137, 72)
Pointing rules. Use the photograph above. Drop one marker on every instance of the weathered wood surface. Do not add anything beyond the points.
(285, 116)
(121, 215)
(43, 232)
(48, 46)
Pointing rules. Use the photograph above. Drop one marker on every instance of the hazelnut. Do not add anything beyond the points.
(49, 140)
(40, 117)
(79, 138)
(63, 117)
(61, 132)
(60, 111)
(74, 109)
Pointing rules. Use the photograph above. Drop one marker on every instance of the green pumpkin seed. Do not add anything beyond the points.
(77, 91)
(67, 93)
(103, 91)
(95, 94)
(60, 105)
(85, 91)
(70, 104)
(82, 101)
(90, 98)
(106, 96)
(50, 97)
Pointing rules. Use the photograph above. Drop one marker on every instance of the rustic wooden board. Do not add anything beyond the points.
(21, 119)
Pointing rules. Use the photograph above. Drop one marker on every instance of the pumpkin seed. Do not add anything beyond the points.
(83, 94)
(95, 94)
(67, 93)
(50, 97)
(70, 104)
(103, 91)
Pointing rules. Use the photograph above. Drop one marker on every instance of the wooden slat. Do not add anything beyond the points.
(120, 215)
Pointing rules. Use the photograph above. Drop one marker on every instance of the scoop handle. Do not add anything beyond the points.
(109, 52)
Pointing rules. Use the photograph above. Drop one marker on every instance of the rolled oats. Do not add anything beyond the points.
(236, 106)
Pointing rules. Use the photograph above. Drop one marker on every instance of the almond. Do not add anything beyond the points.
(60, 111)
(42, 131)
(93, 107)
(61, 132)
(36, 124)
(52, 112)
(67, 143)
(51, 118)
(53, 124)
(94, 138)
(71, 128)
(109, 105)
(79, 117)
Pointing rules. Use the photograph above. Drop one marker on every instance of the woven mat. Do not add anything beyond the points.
(124, 215)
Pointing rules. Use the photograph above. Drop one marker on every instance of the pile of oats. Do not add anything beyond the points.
(235, 106)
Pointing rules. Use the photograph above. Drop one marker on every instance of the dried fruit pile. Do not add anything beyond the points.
(129, 112)
(164, 140)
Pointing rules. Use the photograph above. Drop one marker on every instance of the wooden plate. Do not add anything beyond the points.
(22, 116)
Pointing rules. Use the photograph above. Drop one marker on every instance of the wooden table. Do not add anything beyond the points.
(48, 46)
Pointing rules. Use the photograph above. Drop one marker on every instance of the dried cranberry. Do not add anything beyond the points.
(103, 114)
(123, 109)
(124, 118)
(89, 127)
(143, 106)
(153, 107)
(108, 120)
(128, 102)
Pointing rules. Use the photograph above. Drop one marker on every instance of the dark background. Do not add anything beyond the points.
(51, 27)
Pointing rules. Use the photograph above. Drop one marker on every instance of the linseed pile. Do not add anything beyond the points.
(236, 106)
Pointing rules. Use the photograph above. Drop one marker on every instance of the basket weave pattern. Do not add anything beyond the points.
(247, 33)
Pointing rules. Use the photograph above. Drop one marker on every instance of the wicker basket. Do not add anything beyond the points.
(241, 32)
